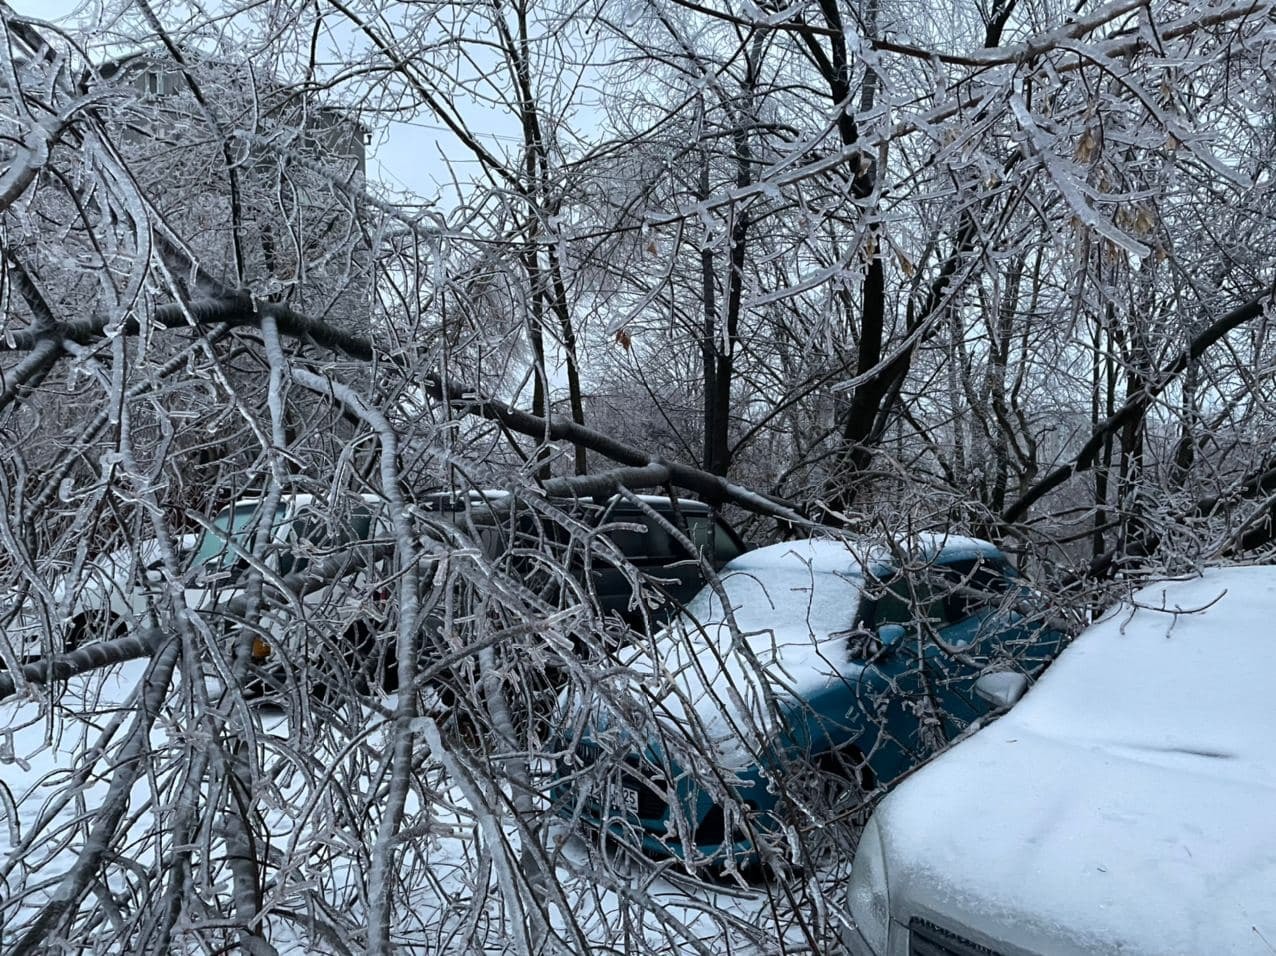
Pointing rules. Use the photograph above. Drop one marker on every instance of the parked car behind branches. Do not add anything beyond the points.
(627, 560)
(813, 674)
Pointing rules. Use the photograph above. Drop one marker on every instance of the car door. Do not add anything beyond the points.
(672, 572)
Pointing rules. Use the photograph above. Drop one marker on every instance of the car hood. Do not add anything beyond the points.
(792, 605)
(1124, 805)
(1142, 851)
(120, 569)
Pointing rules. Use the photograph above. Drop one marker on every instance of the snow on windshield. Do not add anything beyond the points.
(780, 598)
(793, 604)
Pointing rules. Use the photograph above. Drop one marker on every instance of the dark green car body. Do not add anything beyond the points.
(628, 540)
(860, 665)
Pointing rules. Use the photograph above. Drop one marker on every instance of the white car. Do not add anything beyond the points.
(108, 593)
(302, 530)
(118, 592)
(1124, 806)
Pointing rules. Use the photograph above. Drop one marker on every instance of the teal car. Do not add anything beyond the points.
(813, 675)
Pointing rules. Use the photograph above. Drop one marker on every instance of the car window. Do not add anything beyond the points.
(700, 529)
(725, 546)
(908, 599)
(974, 585)
(650, 544)
(712, 539)
(315, 535)
(233, 523)
(706, 531)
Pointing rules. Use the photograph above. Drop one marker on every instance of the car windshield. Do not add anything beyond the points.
(230, 524)
(781, 597)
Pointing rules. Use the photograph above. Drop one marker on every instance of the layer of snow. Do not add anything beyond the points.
(793, 604)
(617, 903)
(1125, 805)
(690, 504)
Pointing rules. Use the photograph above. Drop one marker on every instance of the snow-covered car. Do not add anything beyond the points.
(1124, 806)
(302, 530)
(851, 663)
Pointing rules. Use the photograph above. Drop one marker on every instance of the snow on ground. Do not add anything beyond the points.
(613, 900)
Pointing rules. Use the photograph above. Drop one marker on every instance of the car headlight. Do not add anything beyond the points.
(867, 898)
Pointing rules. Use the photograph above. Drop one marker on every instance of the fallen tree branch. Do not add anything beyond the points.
(235, 309)
(713, 488)
(144, 643)
(128, 767)
(243, 309)
(90, 657)
(607, 483)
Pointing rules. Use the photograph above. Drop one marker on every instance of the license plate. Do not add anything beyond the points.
(621, 801)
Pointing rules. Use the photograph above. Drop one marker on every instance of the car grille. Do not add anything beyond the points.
(928, 939)
(647, 782)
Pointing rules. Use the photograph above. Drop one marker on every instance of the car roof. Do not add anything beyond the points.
(854, 555)
(823, 555)
(446, 500)
(297, 501)
(662, 501)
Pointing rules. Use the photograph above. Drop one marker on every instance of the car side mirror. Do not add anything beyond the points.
(891, 635)
(1001, 689)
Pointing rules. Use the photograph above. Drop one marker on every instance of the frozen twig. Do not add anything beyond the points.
(129, 764)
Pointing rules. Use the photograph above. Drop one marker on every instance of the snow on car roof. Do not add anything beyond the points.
(794, 604)
(1125, 804)
(691, 503)
(826, 555)
(852, 555)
